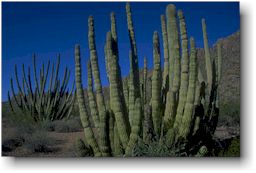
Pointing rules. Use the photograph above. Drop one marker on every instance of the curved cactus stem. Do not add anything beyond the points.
(118, 104)
(103, 136)
(81, 103)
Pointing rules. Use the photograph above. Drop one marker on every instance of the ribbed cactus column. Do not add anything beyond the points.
(218, 74)
(156, 86)
(145, 76)
(166, 53)
(174, 66)
(185, 127)
(103, 136)
(208, 61)
(81, 103)
(117, 105)
(91, 98)
(133, 51)
(131, 89)
(135, 130)
(184, 70)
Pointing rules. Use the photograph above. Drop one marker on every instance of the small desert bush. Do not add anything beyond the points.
(229, 114)
(39, 141)
(232, 149)
(63, 126)
(157, 148)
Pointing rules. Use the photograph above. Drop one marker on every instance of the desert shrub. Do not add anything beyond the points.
(229, 114)
(232, 149)
(39, 141)
(157, 148)
(72, 125)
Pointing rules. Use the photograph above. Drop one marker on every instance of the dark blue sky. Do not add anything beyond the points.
(48, 28)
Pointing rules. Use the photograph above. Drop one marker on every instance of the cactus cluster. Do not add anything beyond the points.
(183, 107)
(39, 101)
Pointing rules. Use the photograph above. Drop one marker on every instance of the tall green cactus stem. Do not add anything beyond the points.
(111, 130)
(81, 104)
(218, 73)
(91, 98)
(135, 130)
(184, 70)
(126, 91)
(208, 61)
(185, 127)
(118, 104)
(173, 48)
(118, 150)
(219, 60)
(156, 86)
(145, 76)
(166, 53)
(131, 89)
(103, 136)
(174, 66)
(135, 61)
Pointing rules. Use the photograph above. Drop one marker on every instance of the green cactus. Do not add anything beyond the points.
(118, 104)
(176, 111)
(184, 128)
(133, 51)
(208, 61)
(156, 86)
(89, 136)
(103, 136)
(91, 98)
(40, 103)
(174, 66)
(184, 70)
(135, 129)
(166, 54)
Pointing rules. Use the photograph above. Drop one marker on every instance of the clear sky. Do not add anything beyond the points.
(49, 28)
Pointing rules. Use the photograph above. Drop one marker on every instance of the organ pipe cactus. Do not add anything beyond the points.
(40, 103)
(103, 136)
(81, 104)
(156, 86)
(176, 111)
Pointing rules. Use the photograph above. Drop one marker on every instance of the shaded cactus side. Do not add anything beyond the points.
(117, 105)
(156, 86)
